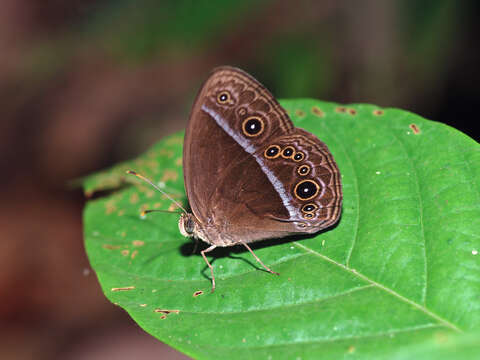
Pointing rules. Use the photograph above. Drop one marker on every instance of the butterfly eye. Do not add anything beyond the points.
(308, 208)
(272, 152)
(288, 152)
(223, 97)
(299, 156)
(189, 226)
(253, 126)
(306, 189)
(303, 170)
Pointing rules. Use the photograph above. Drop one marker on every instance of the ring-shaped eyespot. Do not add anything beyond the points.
(253, 126)
(303, 170)
(310, 207)
(299, 156)
(223, 97)
(306, 190)
(242, 111)
(288, 152)
(272, 152)
(308, 216)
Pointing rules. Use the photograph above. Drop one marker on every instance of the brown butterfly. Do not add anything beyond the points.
(249, 173)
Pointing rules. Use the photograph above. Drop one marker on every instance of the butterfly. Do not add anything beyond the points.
(249, 173)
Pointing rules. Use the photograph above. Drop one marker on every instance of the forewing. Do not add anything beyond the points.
(214, 137)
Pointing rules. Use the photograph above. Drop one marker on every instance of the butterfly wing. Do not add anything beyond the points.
(213, 141)
(243, 162)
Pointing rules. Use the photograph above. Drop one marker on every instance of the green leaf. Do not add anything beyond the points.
(399, 275)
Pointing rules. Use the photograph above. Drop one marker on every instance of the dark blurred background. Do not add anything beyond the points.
(85, 84)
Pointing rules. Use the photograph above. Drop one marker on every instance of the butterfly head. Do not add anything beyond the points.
(186, 225)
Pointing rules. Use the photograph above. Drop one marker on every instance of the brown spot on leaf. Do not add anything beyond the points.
(124, 288)
(138, 243)
(175, 140)
(197, 293)
(144, 207)
(173, 207)
(110, 207)
(169, 175)
(134, 253)
(111, 247)
(121, 212)
(415, 129)
(134, 198)
(165, 152)
(175, 196)
(341, 109)
(179, 161)
(125, 252)
(165, 312)
(352, 111)
(317, 111)
(152, 164)
(378, 112)
(300, 113)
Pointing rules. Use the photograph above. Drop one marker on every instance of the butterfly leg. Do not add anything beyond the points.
(195, 245)
(260, 261)
(210, 266)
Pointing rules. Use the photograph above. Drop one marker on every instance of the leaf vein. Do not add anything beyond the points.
(422, 227)
(356, 191)
(382, 287)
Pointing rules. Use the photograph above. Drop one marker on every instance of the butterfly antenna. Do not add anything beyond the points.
(145, 212)
(131, 172)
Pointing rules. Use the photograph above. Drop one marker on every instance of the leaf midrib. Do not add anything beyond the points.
(383, 287)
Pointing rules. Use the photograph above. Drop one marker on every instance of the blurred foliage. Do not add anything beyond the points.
(297, 68)
(140, 30)
(396, 53)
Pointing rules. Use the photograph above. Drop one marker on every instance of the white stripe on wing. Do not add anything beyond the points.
(249, 148)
